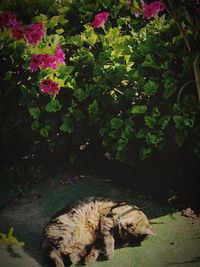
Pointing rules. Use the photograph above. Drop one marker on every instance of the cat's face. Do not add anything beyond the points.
(136, 225)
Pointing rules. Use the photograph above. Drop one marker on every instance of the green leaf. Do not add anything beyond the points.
(113, 134)
(170, 88)
(34, 112)
(180, 137)
(116, 123)
(150, 88)
(35, 125)
(80, 94)
(53, 106)
(145, 152)
(7, 75)
(150, 121)
(76, 40)
(45, 131)
(67, 125)
(189, 122)
(139, 109)
(93, 107)
(140, 134)
(156, 112)
(59, 31)
(135, 4)
(153, 139)
(164, 121)
(179, 121)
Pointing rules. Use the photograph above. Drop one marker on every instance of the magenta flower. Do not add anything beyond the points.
(16, 200)
(50, 87)
(162, 7)
(75, 178)
(34, 33)
(35, 62)
(62, 183)
(152, 9)
(60, 55)
(137, 11)
(12, 19)
(100, 19)
(149, 11)
(4, 19)
(46, 61)
(18, 31)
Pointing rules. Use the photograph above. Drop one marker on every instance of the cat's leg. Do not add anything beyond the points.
(77, 255)
(107, 223)
(57, 258)
(92, 256)
(109, 246)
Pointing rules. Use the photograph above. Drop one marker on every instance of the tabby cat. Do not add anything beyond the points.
(92, 225)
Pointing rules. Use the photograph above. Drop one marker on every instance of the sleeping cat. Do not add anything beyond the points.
(92, 225)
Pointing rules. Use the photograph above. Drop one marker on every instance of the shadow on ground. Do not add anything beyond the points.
(177, 241)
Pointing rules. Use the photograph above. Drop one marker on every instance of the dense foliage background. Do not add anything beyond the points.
(127, 90)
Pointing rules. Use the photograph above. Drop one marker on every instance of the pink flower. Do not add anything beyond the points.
(34, 33)
(12, 19)
(18, 31)
(75, 178)
(53, 63)
(62, 183)
(162, 7)
(137, 11)
(100, 19)
(35, 62)
(128, 3)
(149, 11)
(16, 200)
(48, 86)
(4, 19)
(47, 61)
(152, 9)
(60, 55)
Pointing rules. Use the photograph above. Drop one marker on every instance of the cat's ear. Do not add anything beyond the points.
(124, 222)
(149, 230)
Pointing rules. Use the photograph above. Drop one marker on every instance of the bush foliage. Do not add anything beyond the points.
(126, 87)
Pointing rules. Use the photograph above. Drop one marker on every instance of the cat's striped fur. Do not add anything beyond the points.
(91, 225)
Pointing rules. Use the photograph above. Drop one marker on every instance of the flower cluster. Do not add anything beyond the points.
(50, 87)
(100, 19)
(33, 32)
(152, 9)
(46, 60)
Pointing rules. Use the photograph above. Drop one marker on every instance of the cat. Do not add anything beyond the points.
(92, 225)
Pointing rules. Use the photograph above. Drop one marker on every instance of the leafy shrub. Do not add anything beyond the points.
(9, 239)
(118, 85)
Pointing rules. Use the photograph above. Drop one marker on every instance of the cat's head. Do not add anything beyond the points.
(136, 224)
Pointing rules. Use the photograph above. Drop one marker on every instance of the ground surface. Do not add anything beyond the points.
(177, 241)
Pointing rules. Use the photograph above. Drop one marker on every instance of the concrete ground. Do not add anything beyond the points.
(177, 242)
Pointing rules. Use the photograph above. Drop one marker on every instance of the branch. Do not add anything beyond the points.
(174, 16)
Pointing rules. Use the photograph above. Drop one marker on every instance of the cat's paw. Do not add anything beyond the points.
(109, 253)
(73, 258)
(93, 255)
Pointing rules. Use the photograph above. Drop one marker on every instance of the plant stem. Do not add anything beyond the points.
(196, 68)
(197, 76)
